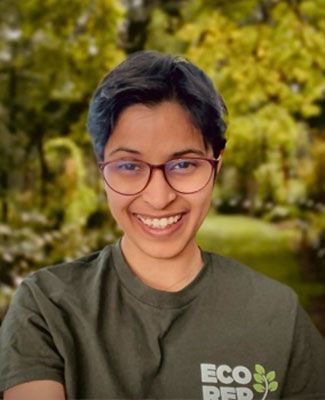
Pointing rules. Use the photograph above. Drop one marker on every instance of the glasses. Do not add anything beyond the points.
(184, 175)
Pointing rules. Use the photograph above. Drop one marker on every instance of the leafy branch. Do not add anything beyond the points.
(265, 382)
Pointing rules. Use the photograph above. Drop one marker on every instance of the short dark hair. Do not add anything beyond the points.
(149, 77)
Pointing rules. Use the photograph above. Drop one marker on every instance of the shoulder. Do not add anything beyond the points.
(267, 323)
(251, 287)
(67, 278)
(238, 275)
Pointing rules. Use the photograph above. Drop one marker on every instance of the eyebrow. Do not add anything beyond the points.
(186, 151)
(124, 149)
(176, 154)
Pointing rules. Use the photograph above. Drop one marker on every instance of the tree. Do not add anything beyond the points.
(267, 58)
(52, 56)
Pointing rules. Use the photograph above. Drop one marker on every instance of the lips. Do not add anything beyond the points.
(159, 223)
(164, 225)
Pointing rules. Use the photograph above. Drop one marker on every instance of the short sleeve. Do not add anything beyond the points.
(306, 369)
(27, 349)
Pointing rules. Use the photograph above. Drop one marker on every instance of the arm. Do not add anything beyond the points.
(305, 375)
(28, 352)
(36, 390)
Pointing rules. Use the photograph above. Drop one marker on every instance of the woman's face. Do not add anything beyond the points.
(155, 134)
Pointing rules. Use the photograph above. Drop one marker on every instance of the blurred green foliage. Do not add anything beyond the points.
(267, 58)
(52, 56)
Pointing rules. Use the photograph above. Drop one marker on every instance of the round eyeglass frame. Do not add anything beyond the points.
(213, 162)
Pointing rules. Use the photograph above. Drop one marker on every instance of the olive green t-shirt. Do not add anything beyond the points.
(232, 334)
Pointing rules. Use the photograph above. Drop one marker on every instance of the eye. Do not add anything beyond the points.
(127, 167)
(183, 164)
(179, 166)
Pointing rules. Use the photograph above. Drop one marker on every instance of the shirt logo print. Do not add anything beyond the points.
(265, 382)
(221, 382)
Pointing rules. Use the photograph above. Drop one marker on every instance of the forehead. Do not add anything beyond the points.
(158, 130)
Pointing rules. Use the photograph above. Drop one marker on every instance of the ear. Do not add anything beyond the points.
(220, 161)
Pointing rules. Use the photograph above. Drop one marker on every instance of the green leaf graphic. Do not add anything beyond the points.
(259, 369)
(273, 386)
(258, 378)
(259, 388)
(270, 376)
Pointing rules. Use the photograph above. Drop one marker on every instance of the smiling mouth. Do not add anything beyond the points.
(159, 223)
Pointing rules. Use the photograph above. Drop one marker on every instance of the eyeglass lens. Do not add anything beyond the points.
(183, 175)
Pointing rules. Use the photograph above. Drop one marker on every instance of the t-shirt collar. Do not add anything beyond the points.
(154, 297)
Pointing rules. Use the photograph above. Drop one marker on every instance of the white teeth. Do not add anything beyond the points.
(160, 223)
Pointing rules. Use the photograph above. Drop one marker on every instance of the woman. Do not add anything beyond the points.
(154, 316)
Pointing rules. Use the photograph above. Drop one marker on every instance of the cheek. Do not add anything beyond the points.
(113, 202)
(117, 203)
(202, 202)
(116, 209)
(205, 205)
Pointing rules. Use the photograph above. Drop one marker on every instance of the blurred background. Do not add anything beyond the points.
(267, 58)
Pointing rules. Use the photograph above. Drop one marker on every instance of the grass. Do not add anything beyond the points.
(263, 246)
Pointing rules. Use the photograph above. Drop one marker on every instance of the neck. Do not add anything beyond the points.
(167, 274)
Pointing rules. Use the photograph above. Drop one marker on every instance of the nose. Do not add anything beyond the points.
(158, 194)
